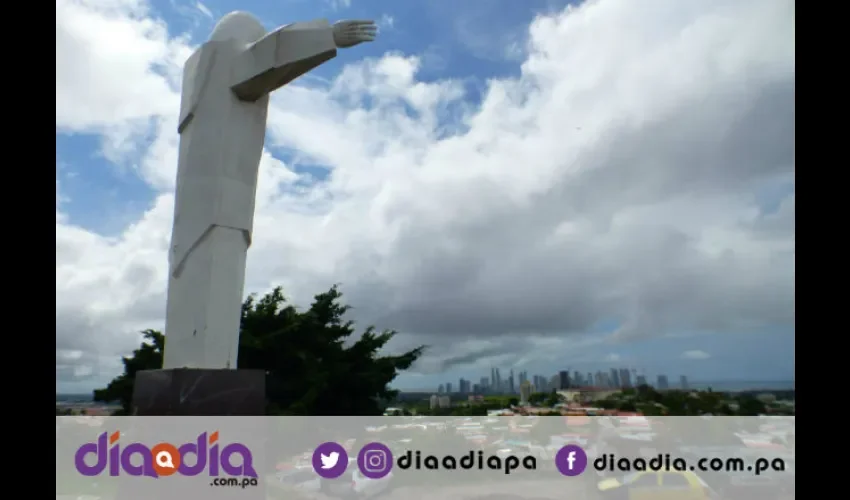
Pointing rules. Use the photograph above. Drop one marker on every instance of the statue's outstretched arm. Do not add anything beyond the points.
(292, 50)
(350, 33)
(282, 56)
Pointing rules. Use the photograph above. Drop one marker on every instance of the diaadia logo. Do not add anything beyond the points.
(164, 459)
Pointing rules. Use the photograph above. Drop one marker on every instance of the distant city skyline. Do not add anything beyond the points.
(762, 357)
(509, 381)
(721, 385)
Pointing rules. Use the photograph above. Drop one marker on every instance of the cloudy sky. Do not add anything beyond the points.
(517, 184)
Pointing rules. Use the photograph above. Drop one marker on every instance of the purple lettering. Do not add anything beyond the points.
(198, 449)
(206, 454)
(115, 460)
(146, 467)
(214, 460)
(91, 448)
(247, 466)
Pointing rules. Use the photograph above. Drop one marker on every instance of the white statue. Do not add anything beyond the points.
(226, 87)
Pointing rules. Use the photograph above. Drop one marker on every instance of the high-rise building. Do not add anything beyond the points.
(511, 383)
(524, 392)
(564, 380)
(662, 383)
(590, 378)
(641, 380)
(683, 382)
(448, 387)
(625, 378)
(434, 401)
(441, 389)
(576, 380)
(615, 378)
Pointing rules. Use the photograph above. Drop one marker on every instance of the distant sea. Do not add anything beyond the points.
(74, 398)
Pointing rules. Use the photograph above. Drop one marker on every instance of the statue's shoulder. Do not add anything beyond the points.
(201, 60)
(197, 73)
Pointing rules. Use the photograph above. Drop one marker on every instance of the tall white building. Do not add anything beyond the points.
(524, 392)
(434, 401)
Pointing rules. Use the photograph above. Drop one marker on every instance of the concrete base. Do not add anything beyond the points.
(200, 392)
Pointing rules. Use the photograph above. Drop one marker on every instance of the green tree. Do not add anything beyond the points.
(537, 397)
(309, 369)
(650, 410)
(750, 406)
(469, 411)
(627, 406)
(647, 394)
(552, 399)
(608, 404)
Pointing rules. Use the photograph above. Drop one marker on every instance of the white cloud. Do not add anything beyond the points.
(695, 355)
(339, 4)
(204, 9)
(614, 179)
(386, 22)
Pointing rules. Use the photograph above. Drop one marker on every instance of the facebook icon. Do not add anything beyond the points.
(571, 460)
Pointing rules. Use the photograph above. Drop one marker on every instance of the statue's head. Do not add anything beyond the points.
(239, 26)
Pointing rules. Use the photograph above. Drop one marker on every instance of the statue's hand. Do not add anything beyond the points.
(351, 33)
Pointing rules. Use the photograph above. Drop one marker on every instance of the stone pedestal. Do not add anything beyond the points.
(200, 392)
(193, 392)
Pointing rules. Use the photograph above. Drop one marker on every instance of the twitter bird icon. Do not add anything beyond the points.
(330, 460)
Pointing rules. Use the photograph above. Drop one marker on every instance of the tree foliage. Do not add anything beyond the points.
(310, 369)
(544, 398)
(652, 402)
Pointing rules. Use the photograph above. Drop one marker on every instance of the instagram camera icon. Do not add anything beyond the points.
(374, 460)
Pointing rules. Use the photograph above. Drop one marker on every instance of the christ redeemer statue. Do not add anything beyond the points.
(222, 127)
